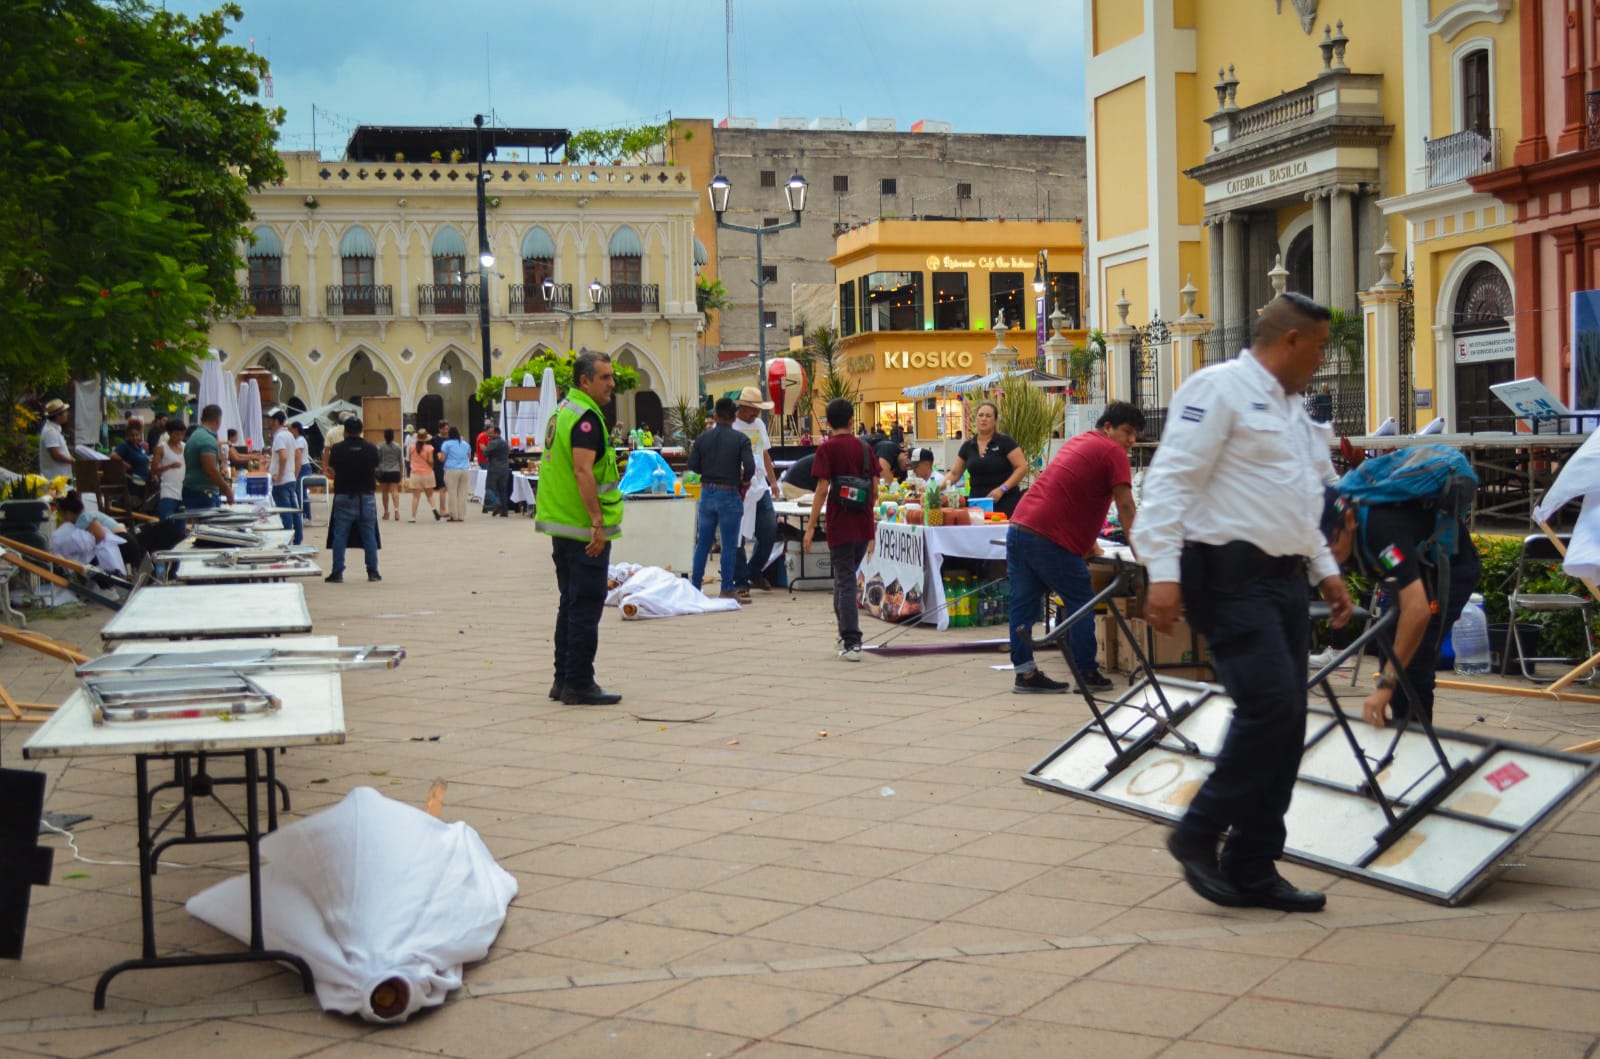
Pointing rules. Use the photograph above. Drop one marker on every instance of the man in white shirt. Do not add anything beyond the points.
(1229, 526)
(760, 520)
(285, 475)
(54, 459)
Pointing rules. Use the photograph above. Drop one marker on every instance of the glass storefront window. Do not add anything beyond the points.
(1006, 293)
(891, 301)
(1064, 296)
(847, 309)
(950, 302)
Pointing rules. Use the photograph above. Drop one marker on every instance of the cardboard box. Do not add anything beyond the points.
(1107, 648)
(1180, 653)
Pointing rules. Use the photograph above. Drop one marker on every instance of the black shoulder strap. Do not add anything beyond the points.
(872, 459)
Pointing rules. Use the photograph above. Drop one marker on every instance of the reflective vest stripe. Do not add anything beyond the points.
(559, 529)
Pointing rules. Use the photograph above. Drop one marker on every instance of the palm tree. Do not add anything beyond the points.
(822, 348)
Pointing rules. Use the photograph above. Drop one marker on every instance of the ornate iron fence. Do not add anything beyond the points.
(447, 298)
(631, 297)
(1337, 393)
(359, 299)
(1144, 373)
(276, 300)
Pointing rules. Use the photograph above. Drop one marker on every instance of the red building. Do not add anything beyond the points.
(1554, 179)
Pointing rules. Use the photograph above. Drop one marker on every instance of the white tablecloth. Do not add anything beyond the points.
(522, 485)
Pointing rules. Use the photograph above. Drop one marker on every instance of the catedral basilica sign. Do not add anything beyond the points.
(944, 358)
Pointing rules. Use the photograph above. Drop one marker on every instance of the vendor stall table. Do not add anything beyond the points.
(523, 486)
(805, 567)
(906, 556)
(312, 714)
(206, 612)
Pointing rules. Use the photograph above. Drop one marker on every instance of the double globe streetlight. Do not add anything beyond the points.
(795, 191)
(548, 289)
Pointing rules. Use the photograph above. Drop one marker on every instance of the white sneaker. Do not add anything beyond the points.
(1322, 658)
(849, 653)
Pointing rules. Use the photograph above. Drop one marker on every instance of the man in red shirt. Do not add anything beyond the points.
(1053, 530)
(844, 456)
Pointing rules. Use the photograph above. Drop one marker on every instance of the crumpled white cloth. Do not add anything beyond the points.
(651, 592)
(1580, 477)
(367, 890)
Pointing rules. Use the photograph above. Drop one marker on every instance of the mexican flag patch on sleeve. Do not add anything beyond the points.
(1390, 558)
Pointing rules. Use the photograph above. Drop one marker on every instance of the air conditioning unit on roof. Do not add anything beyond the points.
(792, 123)
(831, 124)
(875, 125)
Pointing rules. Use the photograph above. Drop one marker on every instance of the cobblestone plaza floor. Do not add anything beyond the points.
(840, 860)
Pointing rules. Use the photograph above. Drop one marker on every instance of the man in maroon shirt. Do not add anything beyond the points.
(1055, 528)
(843, 455)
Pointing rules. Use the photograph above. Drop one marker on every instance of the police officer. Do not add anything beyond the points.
(579, 505)
(1391, 551)
(1230, 523)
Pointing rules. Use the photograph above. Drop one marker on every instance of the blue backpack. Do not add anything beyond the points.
(1429, 476)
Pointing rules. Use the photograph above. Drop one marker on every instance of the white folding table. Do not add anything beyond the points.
(200, 612)
(204, 572)
(312, 714)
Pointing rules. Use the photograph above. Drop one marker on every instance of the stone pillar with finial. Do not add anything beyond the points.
(1380, 319)
(1189, 334)
(1057, 350)
(1119, 351)
(1002, 357)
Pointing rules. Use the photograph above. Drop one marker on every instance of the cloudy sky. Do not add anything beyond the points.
(1015, 67)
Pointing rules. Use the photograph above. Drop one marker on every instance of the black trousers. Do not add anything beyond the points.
(1465, 569)
(581, 580)
(1258, 631)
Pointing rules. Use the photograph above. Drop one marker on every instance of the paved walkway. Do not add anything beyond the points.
(840, 860)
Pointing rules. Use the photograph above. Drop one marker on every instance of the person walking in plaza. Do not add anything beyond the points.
(580, 507)
(203, 481)
(1055, 529)
(1229, 525)
(55, 460)
(167, 465)
(390, 462)
(847, 488)
(284, 472)
(440, 436)
(354, 462)
(725, 462)
(496, 473)
(303, 467)
(457, 456)
(419, 483)
(760, 521)
(994, 460)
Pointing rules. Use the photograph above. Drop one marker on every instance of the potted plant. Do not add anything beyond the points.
(436, 157)
(455, 156)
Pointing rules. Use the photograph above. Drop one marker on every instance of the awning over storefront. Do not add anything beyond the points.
(948, 384)
(1042, 379)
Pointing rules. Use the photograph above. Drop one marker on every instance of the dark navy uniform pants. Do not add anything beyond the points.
(1257, 626)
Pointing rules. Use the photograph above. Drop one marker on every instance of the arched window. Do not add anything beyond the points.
(1475, 109)
(627, 272)
(1485, 349)
(265, 258)
(282, 385)
(448, 292)
(538, 265)
(1301, 264)
(1484, 301)
(361, 379)
(358, 256)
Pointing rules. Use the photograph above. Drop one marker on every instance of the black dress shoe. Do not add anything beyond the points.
(373, 575)
(1200, 871)
(1278, 892)
(334, 579)
(555, 691)
(590, 695)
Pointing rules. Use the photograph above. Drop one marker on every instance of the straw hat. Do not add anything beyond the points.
(55, 406)
(421, 435)
(752, 397)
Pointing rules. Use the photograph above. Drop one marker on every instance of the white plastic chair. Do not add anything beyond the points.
(1435, 427)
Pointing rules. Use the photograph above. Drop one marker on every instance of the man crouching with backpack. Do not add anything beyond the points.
(1393, 549)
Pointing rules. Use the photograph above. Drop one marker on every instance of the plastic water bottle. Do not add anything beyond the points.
(1471, 638)
(658, 482)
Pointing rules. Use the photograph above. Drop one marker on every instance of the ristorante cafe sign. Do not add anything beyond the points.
(949, 262)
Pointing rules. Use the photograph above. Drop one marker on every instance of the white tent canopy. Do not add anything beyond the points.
(326, 416)
(1579, 478)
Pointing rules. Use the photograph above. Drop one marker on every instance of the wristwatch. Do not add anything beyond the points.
(1388, 682)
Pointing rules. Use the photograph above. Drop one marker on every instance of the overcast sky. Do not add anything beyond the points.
(1015, 67)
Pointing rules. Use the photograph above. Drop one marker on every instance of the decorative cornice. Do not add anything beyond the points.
(1449, 23)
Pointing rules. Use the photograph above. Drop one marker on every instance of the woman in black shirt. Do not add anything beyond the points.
(994, 460)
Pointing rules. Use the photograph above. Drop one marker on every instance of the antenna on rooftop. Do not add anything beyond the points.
(728, 8)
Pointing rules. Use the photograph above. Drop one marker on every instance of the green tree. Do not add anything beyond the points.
(619, 144)
(129, 140)
(488, 392)
(822, 348)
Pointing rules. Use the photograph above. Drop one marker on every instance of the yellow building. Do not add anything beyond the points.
(1226, 138)
(364, 274)
(920, 301)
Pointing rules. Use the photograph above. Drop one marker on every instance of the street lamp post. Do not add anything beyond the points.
(548, 289)
(1041, 286)
(485, 256)
(795, 192)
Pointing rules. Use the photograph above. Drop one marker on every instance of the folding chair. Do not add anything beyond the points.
(1539, 556)
(305, 491)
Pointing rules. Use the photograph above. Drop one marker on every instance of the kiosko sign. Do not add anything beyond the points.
(1265, 178)
(900, 358)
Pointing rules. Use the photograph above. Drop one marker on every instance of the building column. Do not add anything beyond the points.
(1319, 244)
(1214, 283)
(1119, 348)
(1380, 314)
(1234, 267)
(1341, 251)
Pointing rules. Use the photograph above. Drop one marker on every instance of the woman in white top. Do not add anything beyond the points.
(166, 465)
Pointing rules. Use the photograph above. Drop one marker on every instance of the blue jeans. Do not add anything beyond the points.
(198, 499)
(720, 512)
(166, 507)
(288, 495)
(760, 548)
(361, 511)
(1036, 565)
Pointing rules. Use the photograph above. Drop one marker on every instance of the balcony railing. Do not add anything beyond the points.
(447, 298)
(529, 298)
(1591, 138)
(360, 299)
(630, 297)
(1462, 154)
(280, 300)
(1285, 109)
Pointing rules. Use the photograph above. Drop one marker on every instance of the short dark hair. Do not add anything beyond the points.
(1119, 413)
(210, 412)
(725, 409)
(352, 426)
(177, 426)
(279, 418)
(839, 412)
(588, 363)
(72, 503)
(1287, 312)
(388, 433)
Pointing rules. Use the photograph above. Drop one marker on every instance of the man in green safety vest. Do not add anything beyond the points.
(580, 507)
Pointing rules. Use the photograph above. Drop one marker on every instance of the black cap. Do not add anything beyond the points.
(1334, 505)
(921, 455)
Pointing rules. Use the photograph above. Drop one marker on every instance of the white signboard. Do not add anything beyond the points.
(1498, 345)
(1530, 399)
